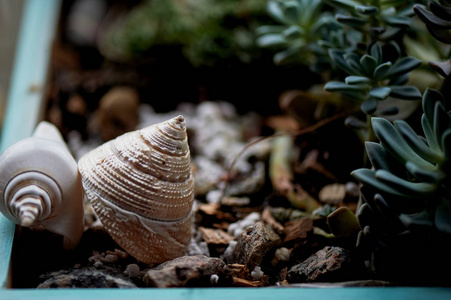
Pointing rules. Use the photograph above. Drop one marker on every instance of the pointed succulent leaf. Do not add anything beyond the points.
(381, 70)
(378, 155)
(366, 10)
(411, 189)
(422, 218)
(397, 21)
(431, 176)
(369, 106)
(439, 10)
(293, 32)
(399, 80)
(403, 65)
(416, 143)
(429, 134)
(347, 5)
(291, 12)
(265, 29)
(430, 97)
(350, 20)
(354, 123)
(357, 80)
(337, 57)
(407, 92)
(441, 122)
(353, 61)
(368, 177)
(443, 68)
(338, 86)
(271, 40)
(395, 144)
(442, 35)
(283, 56)
(274, 9)
(446, 142)
(430, 19)
(368, 64)
(376, 52)
(380, 92)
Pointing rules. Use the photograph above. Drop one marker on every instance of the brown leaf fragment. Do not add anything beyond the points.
(268, 218)
(215, 236)
(297, 230)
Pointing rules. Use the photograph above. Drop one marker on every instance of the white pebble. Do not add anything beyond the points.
(257, 273)
(132, 270)
(214, 279)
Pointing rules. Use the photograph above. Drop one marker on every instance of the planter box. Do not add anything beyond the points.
(23, 113)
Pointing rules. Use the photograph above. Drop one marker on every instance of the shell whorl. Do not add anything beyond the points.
(141, 187)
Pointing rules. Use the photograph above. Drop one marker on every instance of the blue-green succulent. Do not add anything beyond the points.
(407, 193)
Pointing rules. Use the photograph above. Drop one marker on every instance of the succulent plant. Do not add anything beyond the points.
(304, 28)
(372, 77)
(438, 23)
(382, 19)
(407, 194)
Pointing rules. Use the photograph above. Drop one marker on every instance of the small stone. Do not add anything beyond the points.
(253, 244)
(257, 273)
(132, 270)
(185, 271)
(98, 264)
(110, 258)
(84, 278)
(328, 264)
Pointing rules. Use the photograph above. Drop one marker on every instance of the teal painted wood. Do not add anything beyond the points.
(234, 293)
(26, 93)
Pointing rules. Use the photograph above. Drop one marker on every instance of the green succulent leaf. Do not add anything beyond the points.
(271, 40)
(291, 12)
(407, 188)
(379, 157)
(441, 122)
(265, 29)
(397, 21)
(338, 86)
(337, 57)
(430, 97)
(293, 32)
(368, 64)
(285, 55)
(369, 106)
(368, 177)
(275, 10)
(443, 12)
(376, 52)
(366, 10)
(416, 143)
(430, 19)
(381, 70)
(446, 144)
(403, 65)
(431, 176)
(393, 141)
(407, 92)
(355, 22)
(399, 80)
(380, 92)
(347, 5)
(357, 80)
(442, 35)
(353, 61)
(429, 134)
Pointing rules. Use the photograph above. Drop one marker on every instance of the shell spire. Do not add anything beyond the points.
(142, 189)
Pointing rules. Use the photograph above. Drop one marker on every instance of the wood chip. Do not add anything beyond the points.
(241, 282)
(215, 236)
(297, 230)
(268, 218)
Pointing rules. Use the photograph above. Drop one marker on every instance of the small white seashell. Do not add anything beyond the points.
(40, 185)
(141, 187)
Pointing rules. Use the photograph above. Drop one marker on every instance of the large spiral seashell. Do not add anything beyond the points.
(141, 187)
(40, 185)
